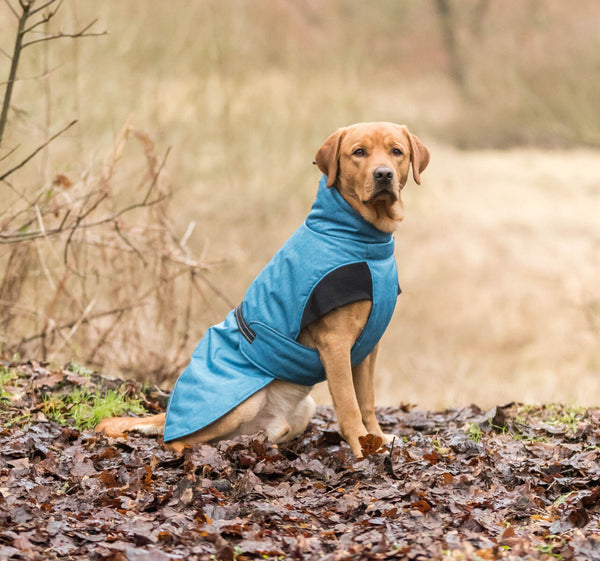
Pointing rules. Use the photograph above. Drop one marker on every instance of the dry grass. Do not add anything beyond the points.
(94, 270)
(499, 253)
(499, 259)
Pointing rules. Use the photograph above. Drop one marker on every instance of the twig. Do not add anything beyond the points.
(64, 219)
(42, 7)
(40, 253)
(187, 234)
(44, 74)
(193, 265)
(10, 152)
(125, 210)
(24, 211)
(45, 19)
(78, 222)
(220, 294)
(61, 35)
(5, 53)
(29, 236)
(11, 8)
(133, 248)
(93, 317)
(158, 171)
(23, 309)
(77, 324)
(18, 47)
(141, 302)
(388, 461)
(104, 337)
(35, 152)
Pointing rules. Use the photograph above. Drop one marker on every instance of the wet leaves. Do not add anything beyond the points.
(516, 482)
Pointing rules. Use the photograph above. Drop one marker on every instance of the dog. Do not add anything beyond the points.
(317, 310)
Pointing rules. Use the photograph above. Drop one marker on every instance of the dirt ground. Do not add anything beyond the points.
(515, 482)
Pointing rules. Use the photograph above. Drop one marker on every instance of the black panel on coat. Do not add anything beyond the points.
(345, 285)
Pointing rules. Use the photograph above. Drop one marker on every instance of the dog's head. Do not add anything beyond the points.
(369, 164)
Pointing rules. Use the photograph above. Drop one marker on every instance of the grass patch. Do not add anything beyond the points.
(7, 377)
(474, 432)
(79, 369)
(85, 409)
(566, 416)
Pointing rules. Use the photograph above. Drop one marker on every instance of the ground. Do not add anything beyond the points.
(516, 482)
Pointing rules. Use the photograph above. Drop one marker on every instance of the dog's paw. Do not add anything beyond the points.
(114, 427)
(388, 438)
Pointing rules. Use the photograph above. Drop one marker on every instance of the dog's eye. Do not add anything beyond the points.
(359, 152)
(396, 152)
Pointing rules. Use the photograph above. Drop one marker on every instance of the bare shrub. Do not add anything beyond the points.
(94, 270)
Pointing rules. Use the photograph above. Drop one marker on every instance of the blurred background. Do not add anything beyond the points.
(216, 109)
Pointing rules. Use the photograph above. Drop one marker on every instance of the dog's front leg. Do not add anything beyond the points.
(334, 335)
(336, 360)
(363, 377)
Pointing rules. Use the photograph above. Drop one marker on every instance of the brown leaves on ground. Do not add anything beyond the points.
(370, 444)
(515, 483)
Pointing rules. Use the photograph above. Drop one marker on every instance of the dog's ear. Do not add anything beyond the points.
(419, 156)
(327, 157)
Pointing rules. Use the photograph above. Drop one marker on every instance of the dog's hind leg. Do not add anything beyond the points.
(284, 429)
(299, 418)
(287, 412)
(225, 427)
(115, 427)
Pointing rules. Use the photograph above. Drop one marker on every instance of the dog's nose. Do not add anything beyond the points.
(383, 175)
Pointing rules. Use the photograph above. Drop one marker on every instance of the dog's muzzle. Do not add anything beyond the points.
(383, 175)
(383, 183)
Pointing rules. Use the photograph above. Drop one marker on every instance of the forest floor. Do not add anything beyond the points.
(515, 482)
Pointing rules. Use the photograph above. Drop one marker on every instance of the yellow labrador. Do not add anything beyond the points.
(368, 164)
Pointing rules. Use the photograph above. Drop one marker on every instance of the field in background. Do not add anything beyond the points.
(499, 260)
(499, 256)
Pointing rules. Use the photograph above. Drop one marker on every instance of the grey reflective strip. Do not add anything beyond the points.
(245, 330)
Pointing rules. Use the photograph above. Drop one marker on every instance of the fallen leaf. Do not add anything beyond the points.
(370, 444)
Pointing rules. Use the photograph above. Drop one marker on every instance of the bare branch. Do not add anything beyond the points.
(5, 54)
(92, 317)
(78, 222)
(64, 219)
(192, 265)
(75, 327)
(14, 64)
(105, 335)
(29, 236)
(34, 153)
(12, 9)
(125, 210)
(158, 171)
(24, 211)
(62, 35)
(140, 302)
(33, 312)
(45, 19)
(133, 248)
(44, 74)
(37, 10)
(10, 152)
(213, 287)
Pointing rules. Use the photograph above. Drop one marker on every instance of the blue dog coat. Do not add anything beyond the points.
(335, 258)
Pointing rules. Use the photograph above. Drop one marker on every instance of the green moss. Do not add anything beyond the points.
(85, 410)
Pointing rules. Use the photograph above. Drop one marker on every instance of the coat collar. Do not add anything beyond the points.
(331, 215)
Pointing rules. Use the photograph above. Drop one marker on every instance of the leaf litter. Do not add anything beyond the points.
(516, 482)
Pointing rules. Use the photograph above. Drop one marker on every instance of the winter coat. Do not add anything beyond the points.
(334, 258)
